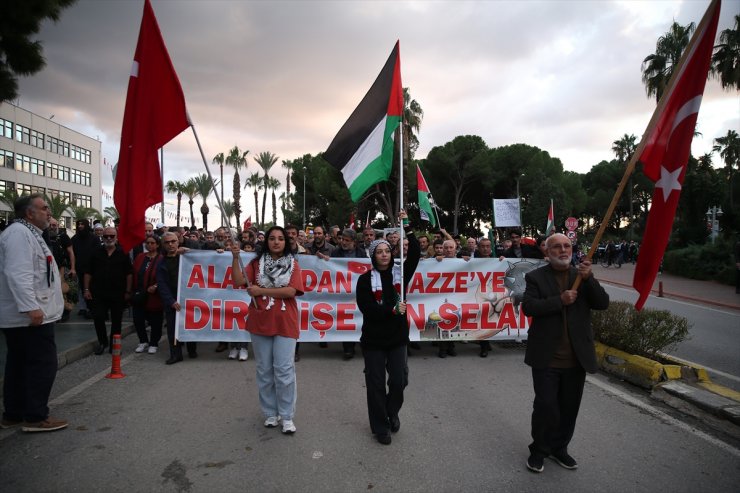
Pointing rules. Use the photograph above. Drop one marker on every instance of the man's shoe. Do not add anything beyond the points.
(192, 354)
(348, 355)
(152, 349)
(142, 347)
(49, 424)
(441, 353)
(384, 438)
(451, 351)
(536, 463)
(173, 360)
(395, 424)
(564, 460)
(288, 427)
(243, 355)
(9, 423)
(99, 349)
(222, 346)
(272, 421)
(483, 353)
(233, 353)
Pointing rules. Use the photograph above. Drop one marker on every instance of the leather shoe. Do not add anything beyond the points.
(483, 353)
(348, 355)
(99, 349)
(385, 438)
(173, 360)
(395, 424)
(222, 346)
(192, 354)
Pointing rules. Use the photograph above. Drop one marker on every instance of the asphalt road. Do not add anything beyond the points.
(714, 340)
(196, 426)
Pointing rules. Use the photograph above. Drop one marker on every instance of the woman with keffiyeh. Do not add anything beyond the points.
(273, 280)
(385, 333)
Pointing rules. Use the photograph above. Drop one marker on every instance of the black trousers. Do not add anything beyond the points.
(155, 318)
(101, 308)
(176, 349)
(381, 404)
(30, 371)
(557, 398)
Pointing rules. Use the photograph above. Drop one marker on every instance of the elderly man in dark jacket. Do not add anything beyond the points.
(560, 348)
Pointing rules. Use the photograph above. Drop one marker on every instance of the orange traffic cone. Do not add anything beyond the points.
(115, 370)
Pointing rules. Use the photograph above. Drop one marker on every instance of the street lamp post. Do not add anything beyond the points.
(304, 198)
(713, 215)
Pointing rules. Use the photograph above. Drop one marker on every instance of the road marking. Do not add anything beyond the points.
(712, 370)
(663, 416)
(695, 305)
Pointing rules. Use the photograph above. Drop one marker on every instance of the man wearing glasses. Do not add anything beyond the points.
(108, 283)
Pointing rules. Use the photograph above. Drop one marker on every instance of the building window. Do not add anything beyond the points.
(22, 163)
(37, 139)
(6, 159)
(22, 134)
(6, 128)
(24, 189)
(82, 200)
(37, 166)
(6, 185)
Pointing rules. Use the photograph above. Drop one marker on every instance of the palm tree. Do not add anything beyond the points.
(658, 67)
(81, 212)
(726, 58)
(624, 148)
(254, 181)
(204, 185)
(190, 191)
(286, 164)
(111, 212)
(8, 197)
(412, 116)
(228, 208)
(178, 187)
(728, 148)
(265, 160)
(237, 159)
(58, 205)
(219, 159)
(273, 184)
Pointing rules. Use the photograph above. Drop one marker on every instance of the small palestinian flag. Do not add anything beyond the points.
(363, 148)
(550, 228)
(425, 205)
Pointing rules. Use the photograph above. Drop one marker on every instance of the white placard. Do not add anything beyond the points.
(506, 213)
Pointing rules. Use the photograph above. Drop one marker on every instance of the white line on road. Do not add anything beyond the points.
(663, 416)
(695, 305)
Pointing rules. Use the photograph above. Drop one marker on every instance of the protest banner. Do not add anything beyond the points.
(506, 213)
(448, 300)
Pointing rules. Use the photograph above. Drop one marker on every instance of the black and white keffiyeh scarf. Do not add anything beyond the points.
(274, 273)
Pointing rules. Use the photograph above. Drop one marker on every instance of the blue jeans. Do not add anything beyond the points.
(275, 375)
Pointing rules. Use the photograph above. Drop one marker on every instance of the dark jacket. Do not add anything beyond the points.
(109, 273)
(381, 329)
(542, 303)
(167, 279)
(144, 278)
(528, 251)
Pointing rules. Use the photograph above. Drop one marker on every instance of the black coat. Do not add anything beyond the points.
(542, 303)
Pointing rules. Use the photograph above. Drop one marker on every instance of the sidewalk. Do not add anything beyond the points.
(707, 292)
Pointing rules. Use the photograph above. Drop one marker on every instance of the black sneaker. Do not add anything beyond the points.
(536, 463)
(564, 460)
(395, 424)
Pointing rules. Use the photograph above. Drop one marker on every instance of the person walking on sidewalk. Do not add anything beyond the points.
(560, 349)
(31, 301)
(273, 281)
(107, 282)
(146, 302)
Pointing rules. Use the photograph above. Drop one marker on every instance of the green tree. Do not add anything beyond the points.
(204, 185)
(658, 67)
(254, 181)
(228, 208)
(111, 212)
(701, 188)
(273, 184)
(81, 212)
(177, 187)
(265, 160)
(728, 148)
(19, 55)
(58, 205)
(624, 148)
(726, 57)
(191, 191)
(8, 197)
(237, 159)
(412, 117)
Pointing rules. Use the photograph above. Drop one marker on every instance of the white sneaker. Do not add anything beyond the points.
(272, 421)
(153, 349)
(243, 355)
(142, 347)
(288, 427)
(233, 353)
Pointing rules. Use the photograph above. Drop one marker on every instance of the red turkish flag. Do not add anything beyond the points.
(155, 114)
(665, 153)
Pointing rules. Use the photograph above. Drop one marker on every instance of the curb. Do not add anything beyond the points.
(679, 296)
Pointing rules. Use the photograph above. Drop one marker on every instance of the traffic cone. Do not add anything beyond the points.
(115, 370)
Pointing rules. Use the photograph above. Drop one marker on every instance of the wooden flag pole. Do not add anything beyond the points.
(648, 131)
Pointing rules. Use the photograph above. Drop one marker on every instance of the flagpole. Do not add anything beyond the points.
(215, 189)
(643, 141)
(400, 199)
(161, 170)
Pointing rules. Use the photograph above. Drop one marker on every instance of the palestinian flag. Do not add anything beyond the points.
(363, 148)
(550, 228)
(425, 205)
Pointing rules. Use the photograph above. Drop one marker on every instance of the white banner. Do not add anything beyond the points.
(506, 213)
(448, 300)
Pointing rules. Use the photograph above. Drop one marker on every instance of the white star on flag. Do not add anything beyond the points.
(668, 181)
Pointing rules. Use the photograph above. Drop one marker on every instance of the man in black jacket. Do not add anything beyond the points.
(560, 348)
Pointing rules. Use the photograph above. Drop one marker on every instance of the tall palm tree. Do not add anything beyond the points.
(111, 212)
(190, 191)
(204, 185)
(219, 159)
(58, 205)
(273, 184)
(658, 67)
(265, 160)
(412, 116)
(237, 159)
(726, 58)
(228, 208)
(728, 148)
(286, 164)
(80, 212)
(624, 148)
(177, 187)
(254, 181)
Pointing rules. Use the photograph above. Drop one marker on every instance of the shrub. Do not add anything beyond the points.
(704, 262)
(645, 333)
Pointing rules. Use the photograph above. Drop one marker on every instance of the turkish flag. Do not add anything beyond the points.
(155, 114)
(667, 144)
(247, 223)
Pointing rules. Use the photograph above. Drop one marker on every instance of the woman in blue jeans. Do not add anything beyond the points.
(273, 280)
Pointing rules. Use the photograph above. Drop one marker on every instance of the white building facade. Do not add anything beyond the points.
(38, 155)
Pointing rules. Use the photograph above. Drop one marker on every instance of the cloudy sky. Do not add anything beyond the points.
(283, 76)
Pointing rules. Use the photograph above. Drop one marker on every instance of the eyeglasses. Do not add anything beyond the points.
(109, 237)
(170, 241)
